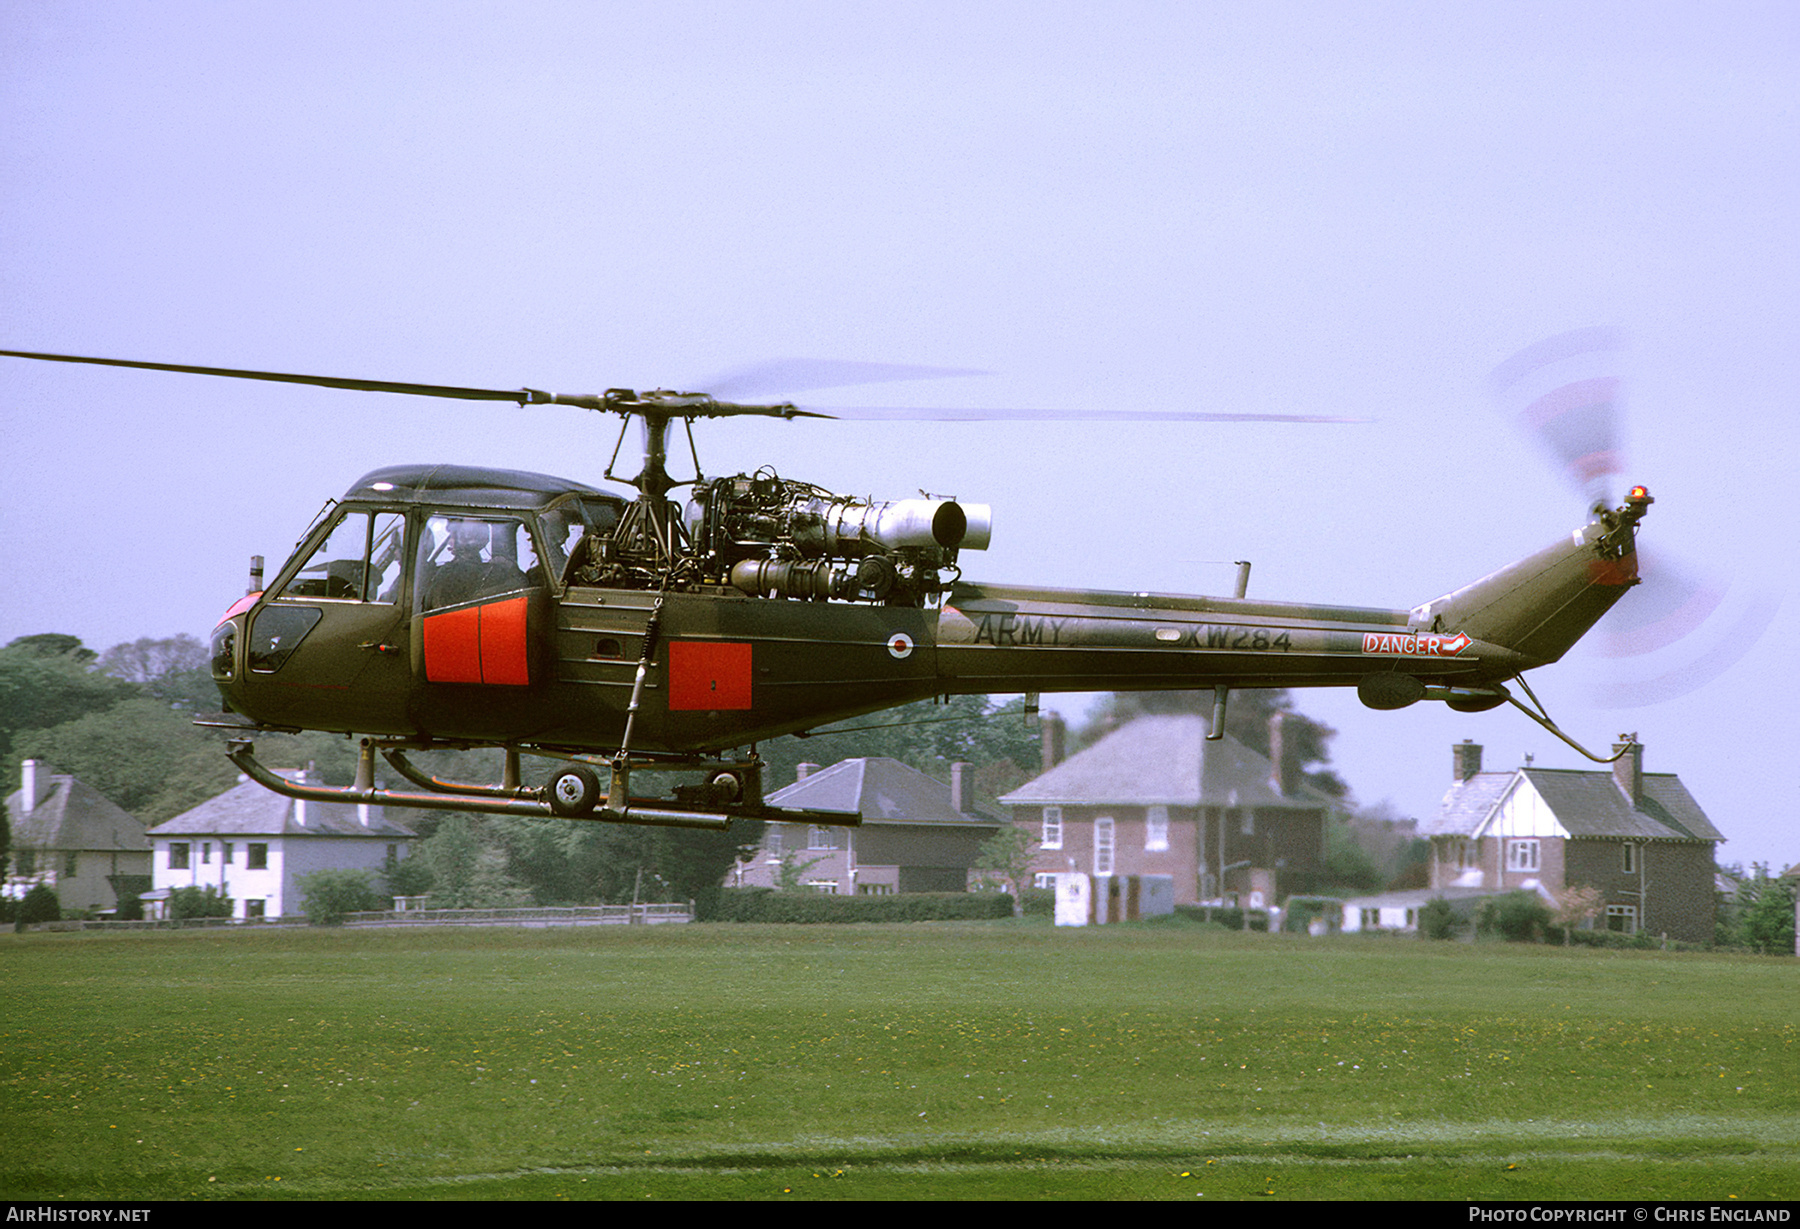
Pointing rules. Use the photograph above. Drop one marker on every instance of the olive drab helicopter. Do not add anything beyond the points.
(451, 607)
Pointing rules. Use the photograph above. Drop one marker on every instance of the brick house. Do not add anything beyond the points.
(1637, 837)
(915, 836)
(1155, 797)
(252, 845)
(67, 836)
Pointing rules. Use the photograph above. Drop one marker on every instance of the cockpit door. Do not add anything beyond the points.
(481, 592)
(331, 642)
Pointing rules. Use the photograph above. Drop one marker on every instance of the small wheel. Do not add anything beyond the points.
(573, 791)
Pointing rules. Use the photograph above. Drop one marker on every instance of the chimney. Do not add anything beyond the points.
(960, 780)
(1628, 769)
(803, 771)
(1465, 759)
(1052, 734)
(27, 786)
(1279, 778)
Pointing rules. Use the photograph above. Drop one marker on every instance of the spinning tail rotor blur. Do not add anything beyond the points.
(1683, 626)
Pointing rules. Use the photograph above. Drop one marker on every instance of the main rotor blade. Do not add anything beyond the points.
(894, 413)
(782, 377)
(518, 395)
(703, 405)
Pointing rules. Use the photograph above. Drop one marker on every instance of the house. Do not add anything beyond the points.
(66, 835)
(1638, 838)
(253, 845)
(1156, 797)
(916, 835)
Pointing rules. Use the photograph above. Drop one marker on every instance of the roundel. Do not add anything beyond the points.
(900, 645)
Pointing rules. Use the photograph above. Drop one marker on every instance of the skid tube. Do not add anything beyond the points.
(525, 801)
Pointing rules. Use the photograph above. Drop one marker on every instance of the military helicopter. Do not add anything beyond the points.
(451, 607)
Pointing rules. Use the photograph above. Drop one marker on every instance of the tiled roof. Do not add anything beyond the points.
(247, 809)
(1162, 761)
(878, 789)
(1586, 804)
(71, 815)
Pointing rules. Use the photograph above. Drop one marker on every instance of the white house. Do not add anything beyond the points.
(253, 845)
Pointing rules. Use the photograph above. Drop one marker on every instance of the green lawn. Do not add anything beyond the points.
(975, 1060)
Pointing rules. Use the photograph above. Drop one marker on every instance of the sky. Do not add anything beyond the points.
(1348, 209)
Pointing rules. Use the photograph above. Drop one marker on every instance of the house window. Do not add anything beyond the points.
(1051, 837)
(1629, 862)
(819, 837)
(253, 908)
(1622, 918)
(1247, 822)
(1156, 829)
(1522, 855)
(874, 889)
(178, 855)
(69, 863)
(1044, 880)
(825, 887)
(773, 842)
(225, 852)
(1371, 919)
(205, 853)
(1103, 845)
(256, 856)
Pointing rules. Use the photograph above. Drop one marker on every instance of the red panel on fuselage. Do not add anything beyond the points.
(706, 676)
(479, 644)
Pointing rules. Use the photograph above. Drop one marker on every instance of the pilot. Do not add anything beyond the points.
(465, 577)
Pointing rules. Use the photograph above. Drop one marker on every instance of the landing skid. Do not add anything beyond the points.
(733, 790)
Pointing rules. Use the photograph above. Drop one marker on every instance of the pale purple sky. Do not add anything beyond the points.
(1328, 208)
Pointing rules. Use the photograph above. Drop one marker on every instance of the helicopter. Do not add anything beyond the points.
(439, 606)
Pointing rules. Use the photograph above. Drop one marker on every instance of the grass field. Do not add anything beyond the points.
(978, 1060)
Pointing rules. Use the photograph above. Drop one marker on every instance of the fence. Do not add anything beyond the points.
(572, 915)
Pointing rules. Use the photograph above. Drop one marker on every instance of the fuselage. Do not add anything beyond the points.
(443, 604)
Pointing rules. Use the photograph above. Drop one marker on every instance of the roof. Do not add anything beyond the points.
(879, 789)
(1588, 805)
(466, 484)
(247, 809)
(1163, 761)
(70, 814)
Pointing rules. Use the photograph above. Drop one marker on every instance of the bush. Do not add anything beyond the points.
(1438, 920)
(40, 905)
(198, 902)
(1518, 917)
(329, 895)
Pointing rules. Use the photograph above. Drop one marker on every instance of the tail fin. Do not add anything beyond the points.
(1541, 605)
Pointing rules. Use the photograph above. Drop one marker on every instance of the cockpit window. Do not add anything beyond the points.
(466, 558)
(359, 561)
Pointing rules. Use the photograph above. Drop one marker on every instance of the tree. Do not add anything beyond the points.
(1008, 854)
(1575, 904)
(175, 669)
(1766, 913)
(48, 680)
(132, 752)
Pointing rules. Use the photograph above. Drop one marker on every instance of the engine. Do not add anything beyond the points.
(768, 536)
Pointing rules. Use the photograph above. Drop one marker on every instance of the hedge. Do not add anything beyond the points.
(768, 905)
